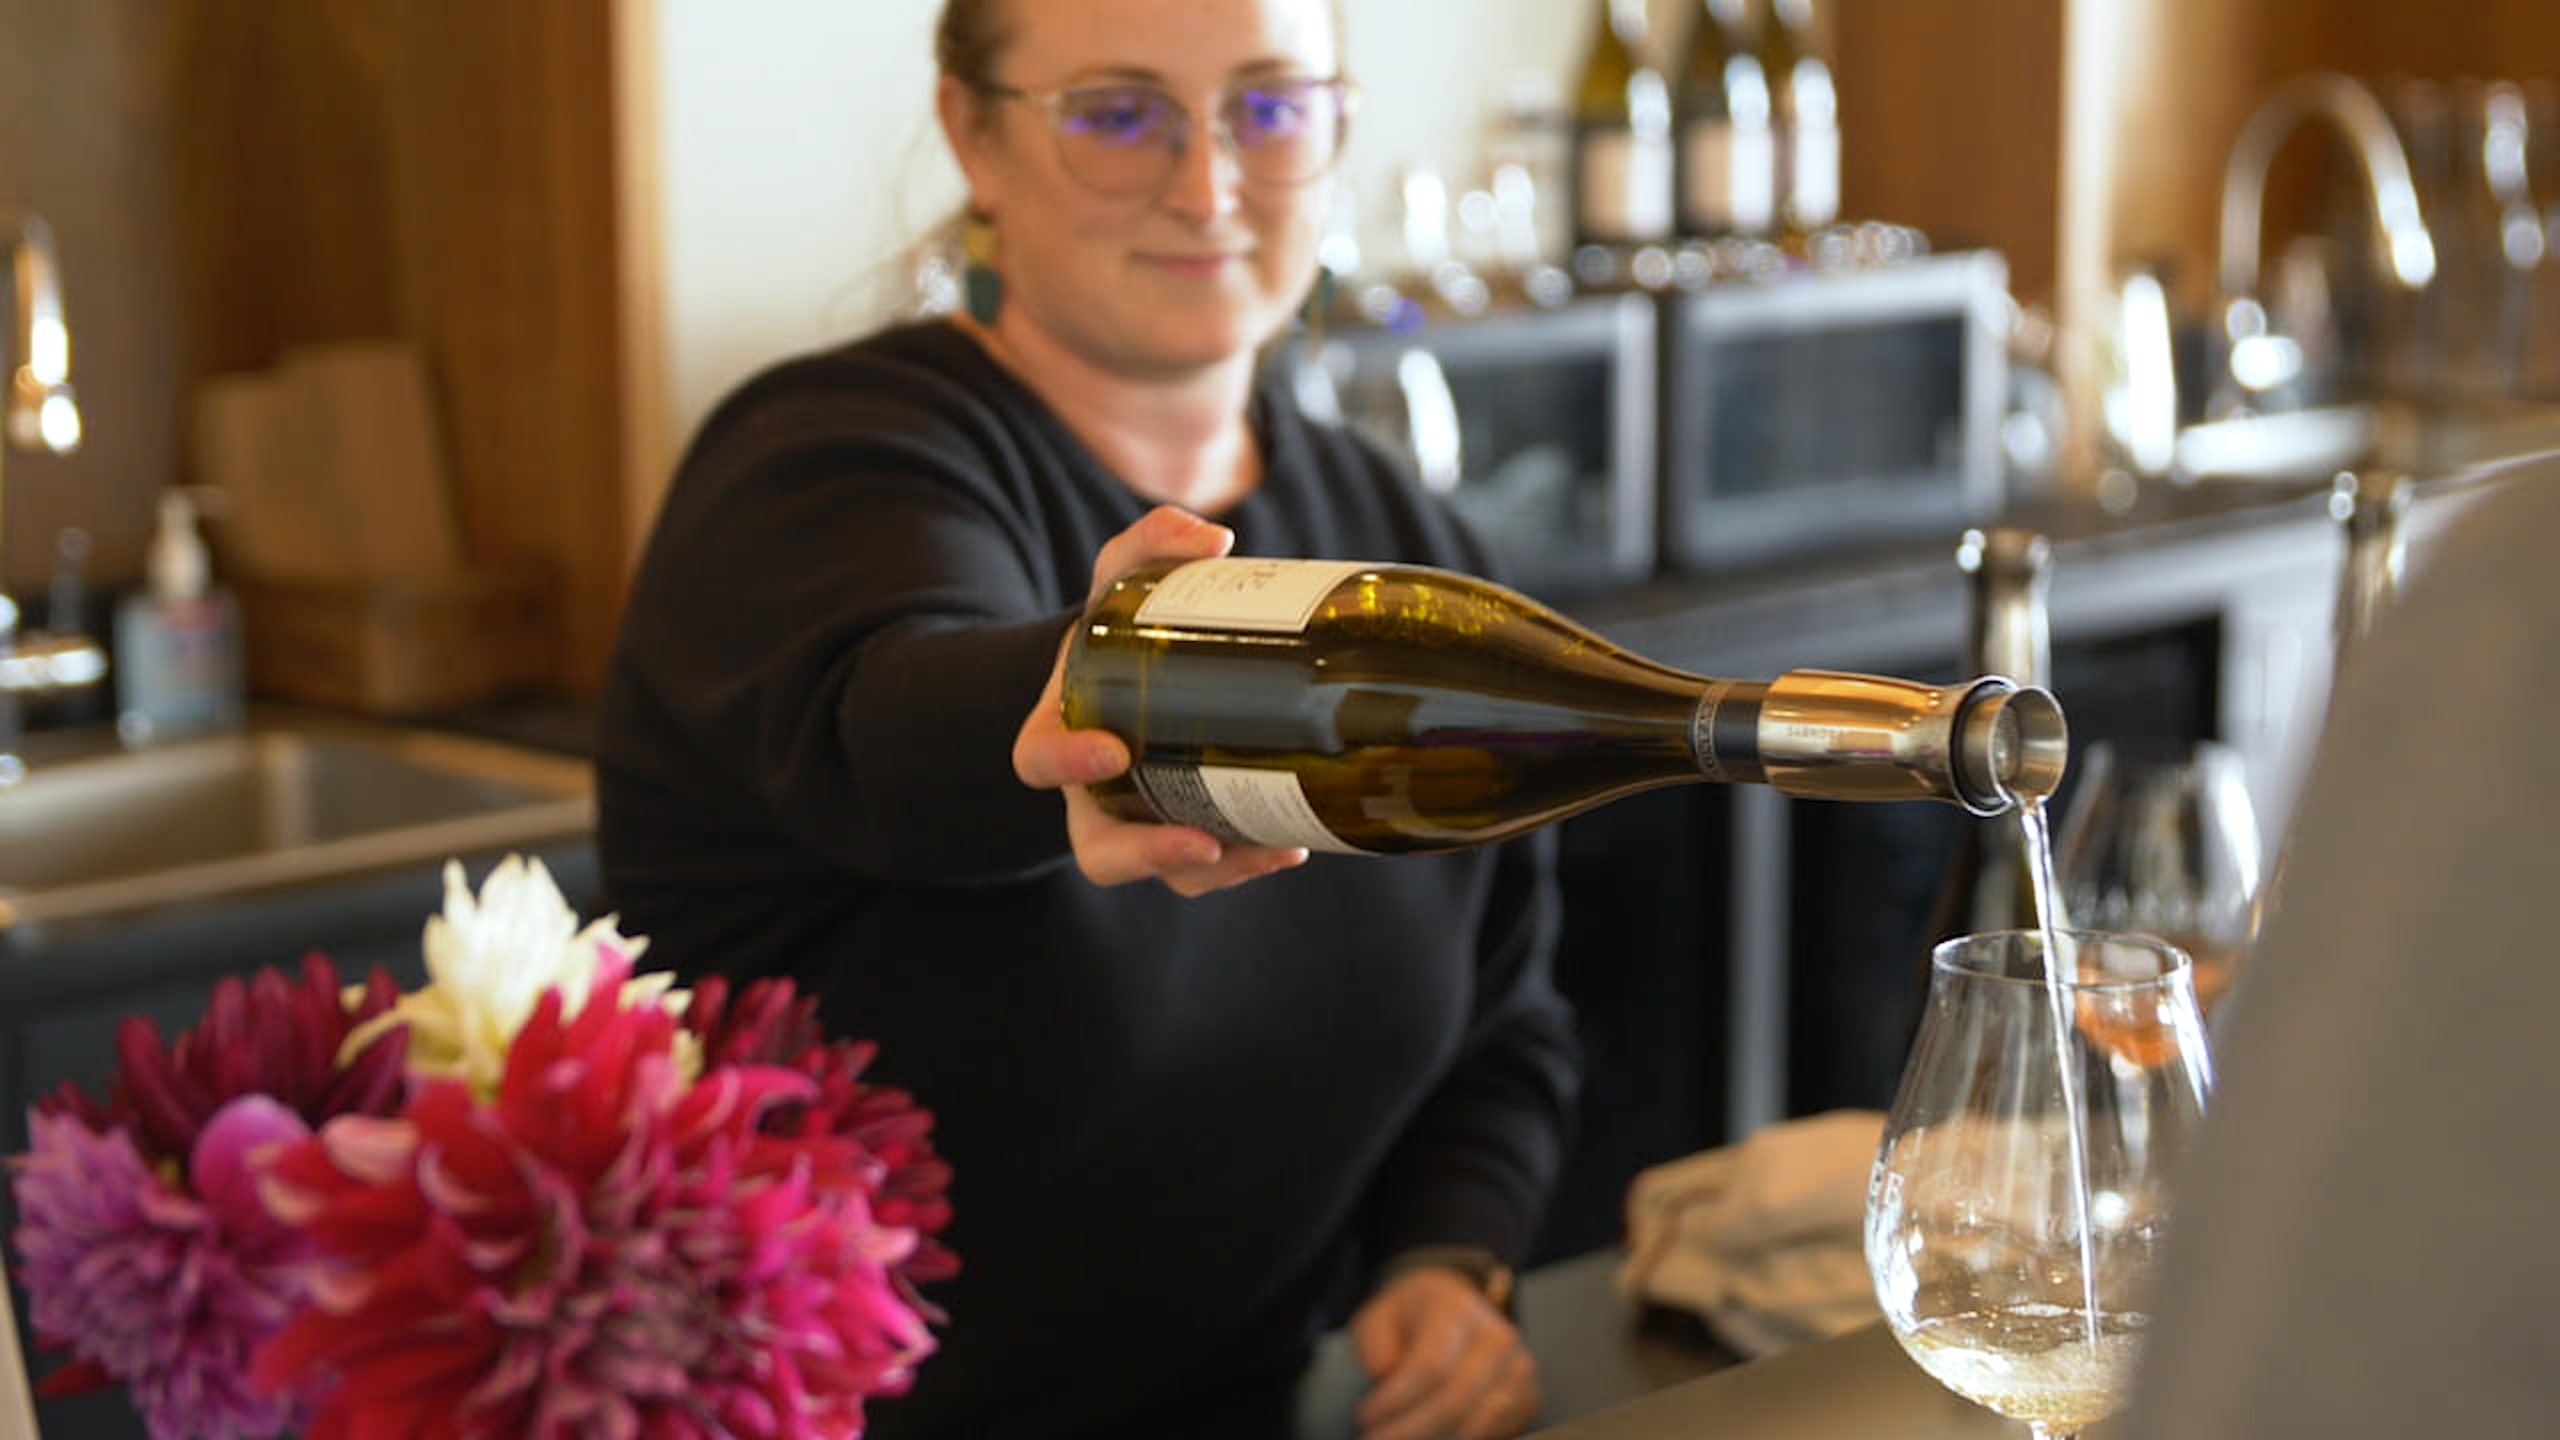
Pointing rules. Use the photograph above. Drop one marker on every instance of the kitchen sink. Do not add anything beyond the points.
(2309, 447)
(96, 831)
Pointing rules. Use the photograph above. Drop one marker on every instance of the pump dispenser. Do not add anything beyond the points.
(177, 657)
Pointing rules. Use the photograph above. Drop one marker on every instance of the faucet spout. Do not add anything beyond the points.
(43, 414)
(43, 417)
(2408, 250)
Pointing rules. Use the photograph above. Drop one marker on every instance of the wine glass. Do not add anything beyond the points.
(2010, 1262)
(2161, 839)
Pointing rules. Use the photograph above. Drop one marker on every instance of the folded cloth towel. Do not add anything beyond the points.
(1761, 1239)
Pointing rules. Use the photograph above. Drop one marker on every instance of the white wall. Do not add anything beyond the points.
(799, 156)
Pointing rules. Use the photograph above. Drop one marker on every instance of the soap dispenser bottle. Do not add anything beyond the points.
(177, 652)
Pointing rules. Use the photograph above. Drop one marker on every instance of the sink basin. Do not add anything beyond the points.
(2309, 447)
(96, 832)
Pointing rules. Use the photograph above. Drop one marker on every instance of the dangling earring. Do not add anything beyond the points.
(1318, 307)
(981, 287)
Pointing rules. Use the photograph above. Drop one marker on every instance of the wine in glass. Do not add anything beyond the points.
(2018, 1203)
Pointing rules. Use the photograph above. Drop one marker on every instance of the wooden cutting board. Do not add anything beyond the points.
(333, 465)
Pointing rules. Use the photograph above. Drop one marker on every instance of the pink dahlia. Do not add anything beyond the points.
(770, 1024)
(162, 1288)
(600, 1249)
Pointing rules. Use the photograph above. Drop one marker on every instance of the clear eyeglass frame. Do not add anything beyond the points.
(1127, 138)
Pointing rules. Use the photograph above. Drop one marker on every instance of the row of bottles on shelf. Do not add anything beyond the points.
(1642, 181)
(1743, 140)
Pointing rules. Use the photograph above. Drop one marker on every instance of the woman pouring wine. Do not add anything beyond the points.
(1187, 1134)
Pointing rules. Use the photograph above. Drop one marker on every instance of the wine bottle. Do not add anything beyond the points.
(1807, 109)
(1989, 882)
(1728, 156)
(1622, 153)
(1387, 708)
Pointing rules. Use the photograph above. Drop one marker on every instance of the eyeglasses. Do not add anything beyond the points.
(1129, 138)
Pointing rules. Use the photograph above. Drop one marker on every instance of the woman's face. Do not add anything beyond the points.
(1161, 282)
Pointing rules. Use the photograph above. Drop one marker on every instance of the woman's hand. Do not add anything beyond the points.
(1049, 756)
(1443, 1363)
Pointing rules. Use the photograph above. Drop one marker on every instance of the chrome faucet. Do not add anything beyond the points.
(43, 417)
(2260, 360)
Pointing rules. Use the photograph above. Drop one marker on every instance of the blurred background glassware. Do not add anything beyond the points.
(2259, 362)
(2162, 839)
(1976, 1211)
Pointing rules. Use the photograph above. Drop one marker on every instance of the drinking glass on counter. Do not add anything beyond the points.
(2017, 1206)
(2161, 839)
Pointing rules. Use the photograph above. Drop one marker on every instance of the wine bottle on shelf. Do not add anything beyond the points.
(1727, 151)
(1388, 708)
(1989, 882)
(1807, 109)
(1622, 149)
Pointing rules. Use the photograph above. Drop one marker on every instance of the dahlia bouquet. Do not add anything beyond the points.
(542, 1196)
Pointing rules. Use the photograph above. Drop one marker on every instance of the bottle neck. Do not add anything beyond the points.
(2011, 633)
(1724, 732)
(1821, 734)
(1628, 20)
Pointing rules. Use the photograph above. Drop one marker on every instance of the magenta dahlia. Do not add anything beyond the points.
(769, 1023)
(271, 1036)
(600, 1249)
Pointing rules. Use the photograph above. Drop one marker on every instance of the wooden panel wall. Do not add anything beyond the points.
(444, 171)
(1950, 116)
(84, 106)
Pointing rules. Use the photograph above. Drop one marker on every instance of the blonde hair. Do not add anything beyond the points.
(969, 38)
(972, 35)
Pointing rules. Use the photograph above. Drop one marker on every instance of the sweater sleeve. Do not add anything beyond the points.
(1477, 1163)
(846, 613)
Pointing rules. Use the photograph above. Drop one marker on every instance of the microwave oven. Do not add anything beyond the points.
(1537, 424)
(1821, 409)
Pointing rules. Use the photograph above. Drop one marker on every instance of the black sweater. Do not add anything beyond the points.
(1180, 1129)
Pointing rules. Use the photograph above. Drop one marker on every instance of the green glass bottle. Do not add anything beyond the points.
(1393, 708)
(1622, 149)
(1807, 110)
(1727, 181)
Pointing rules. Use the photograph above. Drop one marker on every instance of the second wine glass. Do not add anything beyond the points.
(2161, 839)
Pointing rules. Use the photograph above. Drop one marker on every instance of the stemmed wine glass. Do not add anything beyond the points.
(2162, 840)
(2010, 1262)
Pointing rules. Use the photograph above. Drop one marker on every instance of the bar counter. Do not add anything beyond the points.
(1609, 1375)
(1858, 1386)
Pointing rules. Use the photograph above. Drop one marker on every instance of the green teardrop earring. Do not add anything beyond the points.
(1317, 309)
(981, 286)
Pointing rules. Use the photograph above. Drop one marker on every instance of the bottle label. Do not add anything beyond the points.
(1275, 596)
(1626, 186)
(1258, 807)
